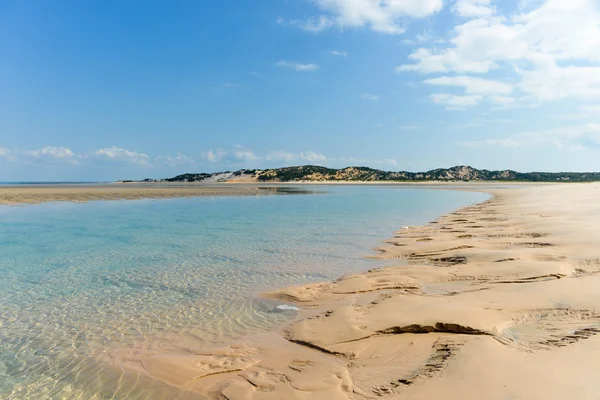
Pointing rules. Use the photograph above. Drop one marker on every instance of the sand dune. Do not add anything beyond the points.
(497, 301)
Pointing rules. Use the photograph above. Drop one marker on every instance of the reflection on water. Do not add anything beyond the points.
(82, 281)
(289, 190)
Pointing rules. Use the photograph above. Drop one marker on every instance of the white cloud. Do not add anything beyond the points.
(552, 50)
(48, 153)
(380, 16)
(455, 102)
(472, 85)
(369, 96)
(211, 156)
(595, 109)
(244, 155)
(422, 38)
(314, 25)
(297, 66)
(430, 61)
(120, 154)
(551, 82)
(493, 91)
(569, 137)
(504, 101)
(239, 154)
(51, 151)
(281, 156)
(312, 156)
(473, 8)
(214, 155)
(339, 53)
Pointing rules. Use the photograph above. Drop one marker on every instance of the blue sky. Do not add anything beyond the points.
(103, 90)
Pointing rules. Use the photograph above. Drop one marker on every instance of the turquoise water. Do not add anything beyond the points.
(83, 281)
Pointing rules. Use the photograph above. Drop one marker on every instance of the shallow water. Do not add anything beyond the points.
(80, 281)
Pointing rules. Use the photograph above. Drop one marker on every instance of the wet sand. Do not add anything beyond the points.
(498, 301)
(33, 194)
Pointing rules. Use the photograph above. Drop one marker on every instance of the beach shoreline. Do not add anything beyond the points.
(493, 299)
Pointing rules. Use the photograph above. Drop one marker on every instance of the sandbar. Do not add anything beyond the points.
(34, 194)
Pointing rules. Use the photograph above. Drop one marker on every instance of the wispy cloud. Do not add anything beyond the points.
(454, 102)
(119, 154)
(339, 53)
(569, 137)
(239, 154)
(472, 85)
(422, 38)
(473, 8)
(369, 96)
(313, 24)
(312, 156)
(588, 112)
(297, 66)
(244, 155)
(591, 109)
(384, 17)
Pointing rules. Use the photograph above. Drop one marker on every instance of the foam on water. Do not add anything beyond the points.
(80, 281)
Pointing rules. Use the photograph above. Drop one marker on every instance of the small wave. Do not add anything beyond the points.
(286, 307)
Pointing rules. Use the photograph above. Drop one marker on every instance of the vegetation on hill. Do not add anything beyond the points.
(314, 173)
(189, 178)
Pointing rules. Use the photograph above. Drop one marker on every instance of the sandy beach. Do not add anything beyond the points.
(496, 300)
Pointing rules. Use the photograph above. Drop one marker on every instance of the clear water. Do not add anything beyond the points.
(81, 281)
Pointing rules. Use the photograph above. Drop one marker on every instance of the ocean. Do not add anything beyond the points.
(82, 281)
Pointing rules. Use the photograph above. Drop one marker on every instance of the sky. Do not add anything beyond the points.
(107, 89)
